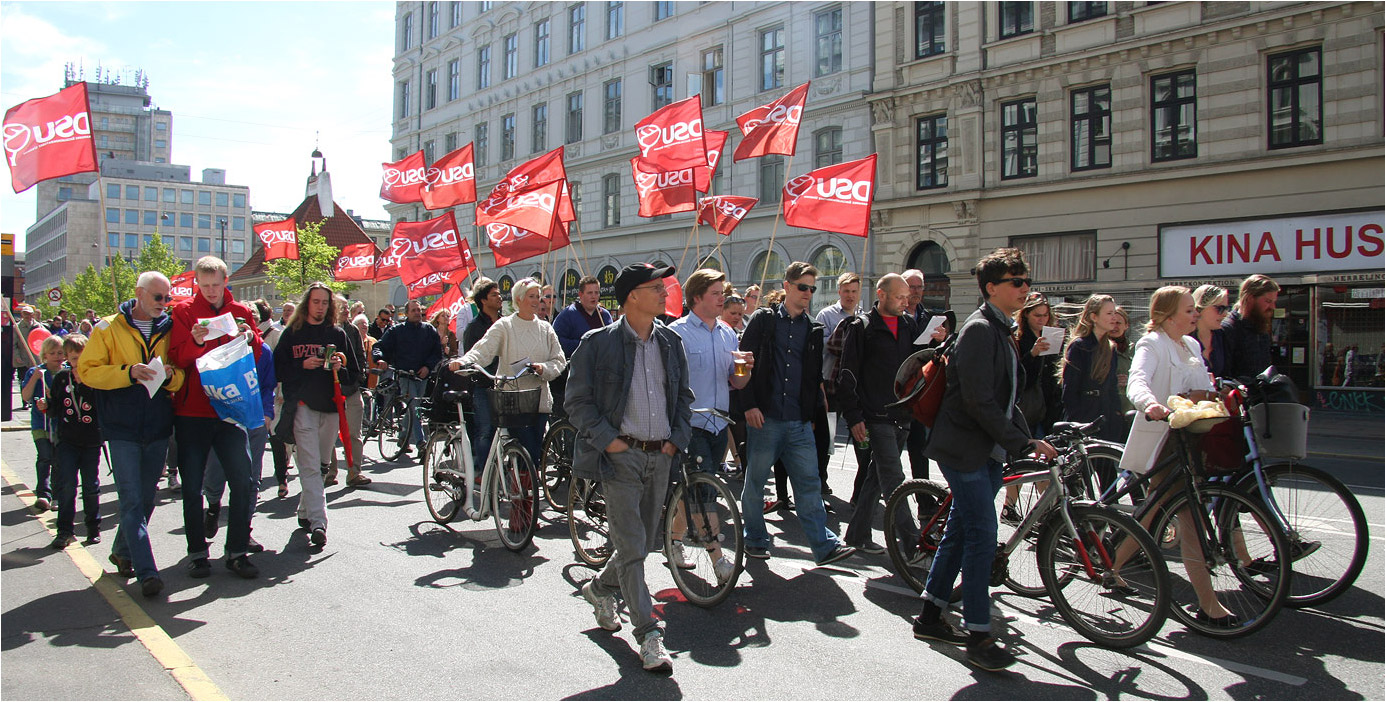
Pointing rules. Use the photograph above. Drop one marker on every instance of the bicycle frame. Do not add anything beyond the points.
(1056, 494)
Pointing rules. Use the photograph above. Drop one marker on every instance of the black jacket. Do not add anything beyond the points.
(312, 387)
(870, 357)
(1042, 371)
(1085, 398)
(408, 346)
(1246, 351)
(759, 338)
(72, 406)
(355, 351)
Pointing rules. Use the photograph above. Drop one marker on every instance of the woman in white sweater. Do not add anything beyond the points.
(523, 337)
(1169, 362)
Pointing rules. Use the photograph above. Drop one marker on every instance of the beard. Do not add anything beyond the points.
(1258, 320)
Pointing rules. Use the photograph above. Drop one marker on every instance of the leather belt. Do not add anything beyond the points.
(652, 446)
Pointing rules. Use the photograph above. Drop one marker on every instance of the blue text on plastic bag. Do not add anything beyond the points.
(228, 378)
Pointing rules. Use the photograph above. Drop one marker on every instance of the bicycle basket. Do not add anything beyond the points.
(1223, 447)
(514, 408)
(1281, 429)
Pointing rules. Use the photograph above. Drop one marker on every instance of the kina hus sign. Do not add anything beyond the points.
(1307, 243)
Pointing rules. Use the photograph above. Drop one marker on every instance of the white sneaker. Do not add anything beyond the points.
(652, 654)
(678, 557)
(603, 607)
(724, 569)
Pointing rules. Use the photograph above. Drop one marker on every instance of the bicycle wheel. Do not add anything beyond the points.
(587, 522)
(558, 463)
(515, 498)
(394, 430)
(1247, 565)
(1115, 607)
(1105, 462)
(915, 517)
(368, 423)
(1022, 573)
(710, 540)
(444, 484)
(1327, 530)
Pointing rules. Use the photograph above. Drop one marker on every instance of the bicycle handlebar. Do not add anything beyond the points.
(714, 412)
(469, 369)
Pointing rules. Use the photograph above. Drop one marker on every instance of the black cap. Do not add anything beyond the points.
(637, 274)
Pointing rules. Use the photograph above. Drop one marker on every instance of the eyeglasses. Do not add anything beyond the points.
(1017, 282)
(659, 287)
(806, 288)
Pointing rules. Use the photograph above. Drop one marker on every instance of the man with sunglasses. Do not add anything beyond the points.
(780, 403)
(136, 423)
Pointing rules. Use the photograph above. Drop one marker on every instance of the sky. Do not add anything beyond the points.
(249, 84)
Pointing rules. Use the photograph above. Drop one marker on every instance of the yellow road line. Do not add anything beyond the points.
(159, 644)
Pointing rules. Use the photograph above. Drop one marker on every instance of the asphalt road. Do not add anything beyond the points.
(399, 607)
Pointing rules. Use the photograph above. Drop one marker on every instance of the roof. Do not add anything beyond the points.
(339, 230)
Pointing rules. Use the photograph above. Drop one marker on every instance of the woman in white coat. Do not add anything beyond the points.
(1168, 361)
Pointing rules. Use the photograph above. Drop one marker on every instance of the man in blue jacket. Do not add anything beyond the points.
(415, 347)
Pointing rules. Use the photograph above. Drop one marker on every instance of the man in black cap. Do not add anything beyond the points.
(630, 400)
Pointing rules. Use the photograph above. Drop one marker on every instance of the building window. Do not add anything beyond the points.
(714, 78)
(185, 220)
(185, 243)
(931, 168)
(827, 147)
(512, 56)
(573, 126)
(237, 246)
(450, 142)
(662, 80)
(664, 9)
(432, 20)
(170, 195)
(132, 216)
(928, 29)
(454, 79)
(772, 58)
(430, 150)
(113, 191)
(223, 199)
(831, 263)
(64, 194)
(132, 241)
(615, 18)
(132, 192)
(611, 107)
(1296, 98)
(151, 218)
(455, 17)
(161, 126)
(771, 178)
(238, 200)
(204, 197)
(828, 49)
(406, 31)
(577, 28)
(1082, 11)
(403, 99)
(1092, 127)
(185, 197)
(113, 215)
(151, 194)
(1060, 258)
(238, 224)
(541, 43)
(611, 197)
(167, 240)
(204, 245)
(1017, 18)
(483, 67)
(204, 221)
(1019, 135)
(541, 126)
(480, 143)
(486, 5)
(431, 89)
(1173, 125)
(508, 137)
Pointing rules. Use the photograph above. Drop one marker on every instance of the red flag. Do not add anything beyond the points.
(451, 180)
(432, 284)
(452, 301)
(724, 212)
(540, 170)
(834, 198)
(403, 180)
(356, 262)
(772, 128)
(673, 303)
(49, 137)
(510, 244)
(671, 139)
(702, 176)
(387, 266)
(432, 245)
(534, 209)
(663, 193)
(280, 239)
(181, 287)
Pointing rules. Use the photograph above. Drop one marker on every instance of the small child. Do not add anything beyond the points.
(72, 407)
(34, 390)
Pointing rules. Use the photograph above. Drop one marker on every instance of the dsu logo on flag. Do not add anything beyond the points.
(671, 139)
(834, 198)
(49, 138)
(427, 246)
(356, 262)
(280, 239)
(724, 212)
(772, 128)
(387, 266)
(403, 180)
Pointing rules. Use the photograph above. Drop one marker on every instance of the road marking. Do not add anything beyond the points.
(155, 640)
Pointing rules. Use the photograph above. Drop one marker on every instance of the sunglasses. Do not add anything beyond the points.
(806, 288)
(1017, 282)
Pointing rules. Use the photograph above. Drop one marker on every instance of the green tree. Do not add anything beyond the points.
(92, 288)
(315, 260)
(156, 256)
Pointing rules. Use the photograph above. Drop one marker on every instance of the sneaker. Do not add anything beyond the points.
(173, 484)
(678, 557)
(772, 505)
(758, 553)
(603, 607)
(318, 537)
(254, 546)
(922, 558)
(199, 568)
(1300, 549)
(241, 565)
(41, 504)
(360, 481)
(838, 553)
(1009, 515)
(653, 657)
(124, 568)
(870, 547)
(987, 655)
(151, 586)
(61, 541)
(304, 523)
(942, 631)
(92, 538)
(210, 521)
(724, 569)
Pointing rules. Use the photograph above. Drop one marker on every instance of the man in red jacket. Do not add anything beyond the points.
(199, 429)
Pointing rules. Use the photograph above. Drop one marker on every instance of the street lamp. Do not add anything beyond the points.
(221, 222)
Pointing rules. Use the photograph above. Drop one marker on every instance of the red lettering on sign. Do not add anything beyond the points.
(1197, 248)
(1370, 234)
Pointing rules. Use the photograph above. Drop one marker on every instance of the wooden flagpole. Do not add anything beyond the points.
(575, 233)
(686, 243)
(105, 230)
(778, 211)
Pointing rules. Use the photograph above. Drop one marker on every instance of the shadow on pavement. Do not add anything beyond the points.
(634, 683)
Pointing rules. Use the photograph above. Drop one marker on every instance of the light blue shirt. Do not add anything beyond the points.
(709, 351)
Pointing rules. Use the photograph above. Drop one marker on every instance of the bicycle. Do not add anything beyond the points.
(557, 462)
(711, 525)
(508, 487)
(1074, 546)
(389, 419)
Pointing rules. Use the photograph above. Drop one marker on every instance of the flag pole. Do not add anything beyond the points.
(105, 229)
(575, 232)
(864, 266)
(778, 211)
(688, 241)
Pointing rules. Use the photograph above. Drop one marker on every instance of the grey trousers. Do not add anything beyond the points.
(883, 475)
(634, 499)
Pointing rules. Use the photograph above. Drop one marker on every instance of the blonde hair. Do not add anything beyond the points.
(523, 287)
(50, 343)
(1205, 295)
(75, 342)
(1256, 286)
(1102, 354)
(1164, 303)
(211, 264)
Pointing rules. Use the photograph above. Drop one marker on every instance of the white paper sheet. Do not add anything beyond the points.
(221, 325)
(928, 334)
(153, 384)
(1055, 337)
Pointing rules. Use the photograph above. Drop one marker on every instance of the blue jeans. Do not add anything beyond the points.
(72, 462)
(43, 467)
(214, 480)
(969, 543)
(412, 389)
(137, 468)
(531, 437)
(198, 437)
(705, 451)
(794, 442)
(481, 430)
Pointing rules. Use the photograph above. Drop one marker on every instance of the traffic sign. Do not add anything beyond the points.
(55, 296)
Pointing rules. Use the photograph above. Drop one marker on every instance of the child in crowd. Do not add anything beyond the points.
(34, 390)
(72, 407)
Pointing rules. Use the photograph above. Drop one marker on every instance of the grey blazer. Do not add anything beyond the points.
(972, 419)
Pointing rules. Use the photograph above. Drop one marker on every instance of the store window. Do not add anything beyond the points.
(830, 263)
(1351, 320)
(1060, 258)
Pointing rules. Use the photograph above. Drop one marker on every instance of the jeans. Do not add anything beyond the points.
(214, 481)
(72, 462)
(137, 468)
(481, 430)
(794, 442)
(413, 389)
(197, 438)
(969, 543)
(883, 474)
(634, 492)
(531, 437)
(43, 467)
(705, 451)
